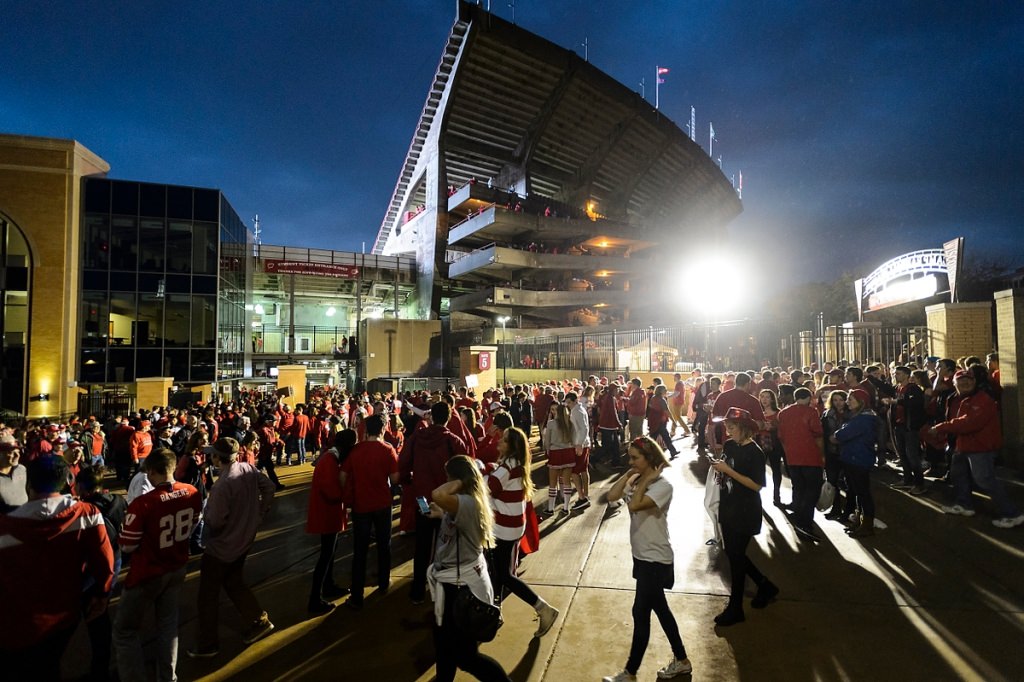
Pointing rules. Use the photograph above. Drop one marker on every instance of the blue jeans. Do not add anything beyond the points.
(982, 468)
(162, 594)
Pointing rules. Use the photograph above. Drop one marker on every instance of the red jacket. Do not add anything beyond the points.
(47, 548)
(326, 511)
(799, 431)
(608, 412)
(976, 425)
(658, 415)
(424, 455)
(637, 405)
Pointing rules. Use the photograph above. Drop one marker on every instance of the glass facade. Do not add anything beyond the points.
(163, 283)
(15, 270)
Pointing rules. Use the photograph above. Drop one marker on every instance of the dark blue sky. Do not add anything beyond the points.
(863, 130)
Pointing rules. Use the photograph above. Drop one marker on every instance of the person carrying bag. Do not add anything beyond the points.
(458, 578)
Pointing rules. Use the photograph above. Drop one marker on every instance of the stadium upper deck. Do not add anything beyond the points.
(522, 121)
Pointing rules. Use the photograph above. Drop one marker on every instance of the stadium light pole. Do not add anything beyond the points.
(504, 351)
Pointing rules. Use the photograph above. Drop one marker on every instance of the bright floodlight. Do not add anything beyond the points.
(503, 319)
(259, 309)
(330, 311)
(711, 283)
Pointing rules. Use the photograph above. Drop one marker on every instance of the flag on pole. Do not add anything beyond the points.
(661, 72)
(712, 126)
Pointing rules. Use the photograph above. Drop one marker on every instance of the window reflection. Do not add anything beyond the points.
(124, 243)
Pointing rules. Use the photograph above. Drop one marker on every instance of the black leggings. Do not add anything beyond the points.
(740, 565)
(666, 438)
(501, 561)
(455, 651)
(323, 574)
(652, 579)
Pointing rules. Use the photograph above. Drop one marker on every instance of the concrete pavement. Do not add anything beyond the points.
(932, 597)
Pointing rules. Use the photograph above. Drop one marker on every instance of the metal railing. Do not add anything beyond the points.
(315, 340)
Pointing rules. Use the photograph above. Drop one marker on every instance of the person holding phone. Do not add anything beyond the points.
(739, 511)
(648, 494)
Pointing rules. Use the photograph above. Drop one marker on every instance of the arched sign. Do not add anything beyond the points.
(911, 277)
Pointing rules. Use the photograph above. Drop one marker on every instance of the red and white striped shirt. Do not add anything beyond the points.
(508, 500)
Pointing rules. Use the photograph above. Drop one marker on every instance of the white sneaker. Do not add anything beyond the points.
(547, 615)
(1008, 521)
(621, 676)
(675, 668)
(956, 509)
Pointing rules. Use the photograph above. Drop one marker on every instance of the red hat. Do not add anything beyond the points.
(963, 374)
(53, 428)
(737, 414)
(862, 396)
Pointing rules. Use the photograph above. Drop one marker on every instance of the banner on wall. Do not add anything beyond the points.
(292, 267)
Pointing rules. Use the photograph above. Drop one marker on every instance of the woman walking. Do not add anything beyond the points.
(740, 512)
(658, 417)
(558, 442)
(466, 530)
(835, 416)
(768, 439)
(856, 440)
(511, 488)
(648, 494)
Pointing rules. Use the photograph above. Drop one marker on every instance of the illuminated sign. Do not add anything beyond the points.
(911, 277)
(292, 267)
(484, 361)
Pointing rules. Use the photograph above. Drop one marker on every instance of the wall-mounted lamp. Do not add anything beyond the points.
(41, 398)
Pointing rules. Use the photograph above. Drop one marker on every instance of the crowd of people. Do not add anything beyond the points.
(458, 468)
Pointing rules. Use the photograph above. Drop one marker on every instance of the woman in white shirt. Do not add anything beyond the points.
(648, 494)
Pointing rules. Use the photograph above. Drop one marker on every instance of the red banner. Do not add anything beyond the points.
(292, 267)
(484, 361)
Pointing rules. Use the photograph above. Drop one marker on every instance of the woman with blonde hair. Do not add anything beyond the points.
(648, 495)
(558, 442)
(511, 487)
(467, 529)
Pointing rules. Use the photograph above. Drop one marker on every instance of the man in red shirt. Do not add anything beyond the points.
(49, 546)
(636, 408)
(738, 396)
(156, 534)
(802, 438)
(371, 468)
(141, 444)
(677, 405)
(297, 435)
(423, 461)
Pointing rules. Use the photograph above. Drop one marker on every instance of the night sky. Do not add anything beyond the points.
(863, 129)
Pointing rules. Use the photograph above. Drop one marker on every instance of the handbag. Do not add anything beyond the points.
(827, 496)
(474, 618)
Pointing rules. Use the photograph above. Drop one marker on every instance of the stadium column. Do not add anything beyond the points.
(1010, 344)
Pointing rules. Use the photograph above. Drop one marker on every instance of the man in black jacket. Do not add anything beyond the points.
(908, 418)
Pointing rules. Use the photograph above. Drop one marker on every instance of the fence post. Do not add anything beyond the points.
(615, 354)
(650, 349)
(583, 350)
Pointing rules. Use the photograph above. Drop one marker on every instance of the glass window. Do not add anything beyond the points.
(152, 200)
(204, 321)
(122, 365)
(95, 319)
(177, 326)
(97, 196)
(150, 325)
(93, 365)
(122, 318)
(179, 246)
(148, 363)
(124, 243)
(177, 284)
(97, 241)
(95, 279)
(203, 365)
(176, 364)
(179, 202)
(207, 201)
(204, 285)
(123, 281)
(204, 249)
(125, 198)
(151, 245)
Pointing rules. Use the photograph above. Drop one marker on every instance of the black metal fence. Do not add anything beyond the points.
(733, 345)
(103, 404)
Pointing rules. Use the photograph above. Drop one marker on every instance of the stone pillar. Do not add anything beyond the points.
(960, 329)
(1010, 343)
(152, 391)
(484, 372)
(294, 377)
